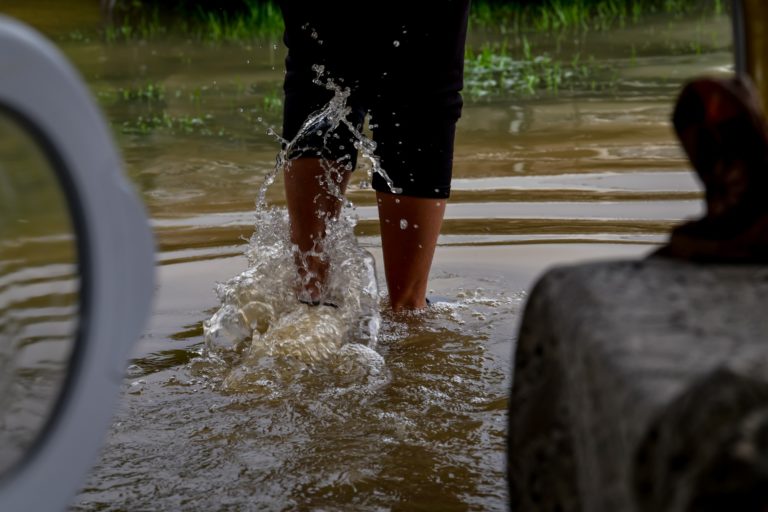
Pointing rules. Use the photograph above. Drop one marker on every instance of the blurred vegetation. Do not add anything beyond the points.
(220, 21)
(494, 71)
(239, 20)
(520, 49)
(553, 15)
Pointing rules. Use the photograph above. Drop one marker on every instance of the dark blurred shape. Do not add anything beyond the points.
(641, 386)
(721, 127)
(714, 437)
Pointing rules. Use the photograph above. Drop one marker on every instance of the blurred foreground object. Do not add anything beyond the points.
(643, 385)
(721, 126)
(76, 274)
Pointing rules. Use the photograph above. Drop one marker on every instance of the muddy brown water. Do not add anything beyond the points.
(540, 180)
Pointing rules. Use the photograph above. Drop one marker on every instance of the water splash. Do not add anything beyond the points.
(261, 334)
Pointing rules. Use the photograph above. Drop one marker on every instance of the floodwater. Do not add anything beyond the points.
(590, 172)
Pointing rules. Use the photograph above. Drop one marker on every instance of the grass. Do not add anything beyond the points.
(260, 20)
(496, 67)
(513, 67)
(494, 72)
(272, 101)
(559, 15)
(149, 108)
(253, 20)
(147, 93)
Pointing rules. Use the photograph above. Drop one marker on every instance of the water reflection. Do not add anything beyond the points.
(38, 291)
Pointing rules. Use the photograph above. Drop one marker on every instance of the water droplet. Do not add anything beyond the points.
(415, 226)
(397, 201)
(386, 221)
(259, 119)
(397, 124)
(314, 34)
(396, 43)
(439, 203)
(274, 46)
(403, 223)
(437, 191)
(421, 246)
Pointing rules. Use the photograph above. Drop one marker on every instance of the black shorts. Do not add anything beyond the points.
(404, 67)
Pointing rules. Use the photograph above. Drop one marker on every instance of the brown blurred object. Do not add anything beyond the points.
(721, 127)
(751, 27)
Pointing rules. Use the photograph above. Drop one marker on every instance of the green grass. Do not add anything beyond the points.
(252, 20)
(559, 15)
(149, 108)
(272, 101)
(512, 67)
(147, 93)
(494, 72)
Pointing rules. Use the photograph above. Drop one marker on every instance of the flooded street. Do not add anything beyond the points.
(588, 170)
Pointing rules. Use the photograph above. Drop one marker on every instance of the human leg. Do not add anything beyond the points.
(320, 157)
(416, 104)
(410, 227)
(419, 161)
(314, 195)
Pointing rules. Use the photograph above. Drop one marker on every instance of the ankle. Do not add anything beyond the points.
(407, 302)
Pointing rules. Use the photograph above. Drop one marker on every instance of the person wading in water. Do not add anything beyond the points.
(403, 64)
